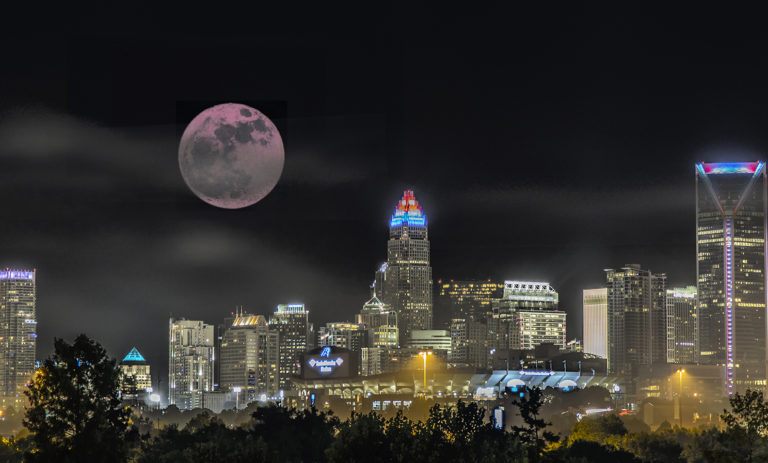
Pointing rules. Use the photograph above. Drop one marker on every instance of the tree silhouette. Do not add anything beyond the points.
(747, 422)
(74, 409)
(533, 434)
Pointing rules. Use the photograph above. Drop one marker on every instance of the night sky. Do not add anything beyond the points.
(543, 145)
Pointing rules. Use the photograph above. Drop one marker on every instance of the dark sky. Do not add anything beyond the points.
(545, 145)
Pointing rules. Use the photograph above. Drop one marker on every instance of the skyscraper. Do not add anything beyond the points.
(637, 323)
(526, 316)
(682, 328)
(137, 379)
(731, 270)
(380, 321)
(190, 362)
(596, 321)
(408, 275)
(250, 358)
(470, 300)
(18, 333)
(291, 321)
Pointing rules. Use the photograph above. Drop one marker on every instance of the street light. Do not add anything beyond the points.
(681, 396)
(424, 356)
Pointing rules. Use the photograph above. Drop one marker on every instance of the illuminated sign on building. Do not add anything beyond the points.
(327, 362)
(536, 373)
(16, 275)
(326, 366)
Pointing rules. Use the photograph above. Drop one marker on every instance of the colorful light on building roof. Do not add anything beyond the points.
(16, 275)
(715, 168)
(408, 211)
(134, 356)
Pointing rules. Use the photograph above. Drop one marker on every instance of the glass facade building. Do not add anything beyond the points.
(191, 357)
(595, 316)
(18, 333)
(407, 281)
(291, 321)
(682, 325)
(526, 316)
(137, 379)
(637, 322)
(249, 359)
(730, 268)
(380, 322)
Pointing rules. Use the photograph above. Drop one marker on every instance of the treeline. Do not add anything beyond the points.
(75, 415)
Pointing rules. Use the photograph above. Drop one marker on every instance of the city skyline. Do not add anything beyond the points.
(532, 168)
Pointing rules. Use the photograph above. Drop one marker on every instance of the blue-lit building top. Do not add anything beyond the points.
(731, 270)
(134, 356)
(9, 274)
(408, 211)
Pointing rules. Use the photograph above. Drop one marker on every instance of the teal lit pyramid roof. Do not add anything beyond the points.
(134, 356)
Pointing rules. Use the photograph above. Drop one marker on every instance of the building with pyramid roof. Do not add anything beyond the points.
(136, 380)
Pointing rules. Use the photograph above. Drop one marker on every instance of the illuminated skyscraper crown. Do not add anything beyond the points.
(134, 356)
(716, 168)
(408, 211)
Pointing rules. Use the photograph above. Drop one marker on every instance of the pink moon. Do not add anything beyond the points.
(231, 156)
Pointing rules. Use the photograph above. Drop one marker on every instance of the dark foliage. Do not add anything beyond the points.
(75, 413)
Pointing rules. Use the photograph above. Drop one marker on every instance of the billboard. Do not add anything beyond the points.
(328, 362)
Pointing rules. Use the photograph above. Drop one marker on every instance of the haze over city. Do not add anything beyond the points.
(542, 146)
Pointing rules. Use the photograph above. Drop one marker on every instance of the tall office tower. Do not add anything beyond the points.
(637, 331)
(595, 316)
(527, 315)
(470, 300)
(478, 347)
(291, 321)
(459, 342)
(469, 342)
(408, 276)
(376, 316)
(682, 329)
(541, 327)
(191, 358)
(731, 270)
(372, 360)
(345, 335)
(250, 358)
(18, 333)
(136, 378)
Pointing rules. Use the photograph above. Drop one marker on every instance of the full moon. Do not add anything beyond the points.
(231, 156)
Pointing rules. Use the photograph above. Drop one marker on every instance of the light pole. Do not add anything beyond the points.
(424, 356)
(237, 390)
(681, 397)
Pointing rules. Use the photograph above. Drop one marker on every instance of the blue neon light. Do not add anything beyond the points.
(326, 366)
(326, 352)
(134, 356)
(16, 275)
(408, 219)
(729, 303)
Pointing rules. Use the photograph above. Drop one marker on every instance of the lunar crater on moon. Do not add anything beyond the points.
(231, 156)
